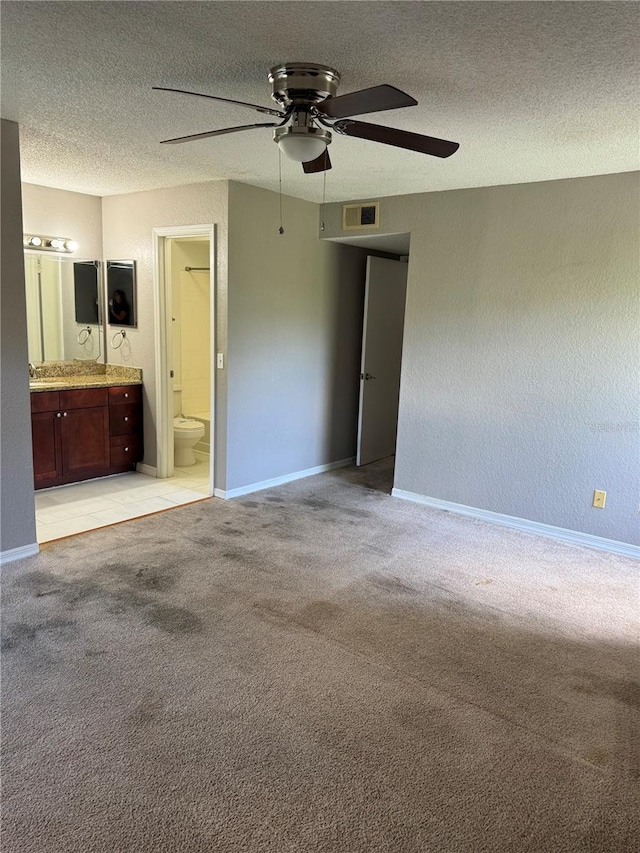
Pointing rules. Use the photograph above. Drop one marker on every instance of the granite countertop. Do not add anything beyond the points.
(68, 376)
(69, 383)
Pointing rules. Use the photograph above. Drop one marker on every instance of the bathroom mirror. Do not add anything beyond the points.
(86, 291)
(121, 293)
(64, 308)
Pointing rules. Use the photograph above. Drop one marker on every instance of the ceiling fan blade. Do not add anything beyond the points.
(320, 164)
(399, 138)
(372, 100)
(266, 110)
(209, 133)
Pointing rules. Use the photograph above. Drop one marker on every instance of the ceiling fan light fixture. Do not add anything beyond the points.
(302, 148)
(302, 143)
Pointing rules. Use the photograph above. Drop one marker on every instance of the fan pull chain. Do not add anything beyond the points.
(281, 228)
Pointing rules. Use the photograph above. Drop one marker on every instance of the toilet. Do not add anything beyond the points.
(186, 434)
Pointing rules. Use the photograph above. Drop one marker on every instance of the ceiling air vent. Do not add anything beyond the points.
(365, 215)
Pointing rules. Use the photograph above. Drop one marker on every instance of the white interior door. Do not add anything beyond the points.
(384, 301)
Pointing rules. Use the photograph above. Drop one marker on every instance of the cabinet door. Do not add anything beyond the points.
(47, 454)
(85, 440)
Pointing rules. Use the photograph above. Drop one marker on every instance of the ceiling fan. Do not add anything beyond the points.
(310, 109)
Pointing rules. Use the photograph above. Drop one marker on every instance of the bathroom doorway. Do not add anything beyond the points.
(185, 349)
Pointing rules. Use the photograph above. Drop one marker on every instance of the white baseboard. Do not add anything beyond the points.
(574, 537)
(279, 481)
(19, 553)
(146, 469)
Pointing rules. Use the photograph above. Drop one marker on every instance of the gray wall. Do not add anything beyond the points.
(520, 380)
(295, 321)
(128, 222)
(294, 324)
(17, 516)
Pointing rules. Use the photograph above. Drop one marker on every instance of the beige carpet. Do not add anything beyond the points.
(319, 667)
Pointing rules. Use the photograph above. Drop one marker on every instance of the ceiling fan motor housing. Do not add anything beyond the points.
(301, 83)
(303, 130)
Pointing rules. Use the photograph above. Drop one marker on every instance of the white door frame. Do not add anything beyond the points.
(163, 309)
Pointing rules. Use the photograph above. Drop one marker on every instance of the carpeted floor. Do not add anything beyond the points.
(319, 667)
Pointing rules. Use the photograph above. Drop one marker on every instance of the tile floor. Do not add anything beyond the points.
(66, 510)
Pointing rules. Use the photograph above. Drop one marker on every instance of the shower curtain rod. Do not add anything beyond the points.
(189, 269)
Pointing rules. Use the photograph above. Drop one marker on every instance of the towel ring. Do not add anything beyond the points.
(87, 334)
(122, 335)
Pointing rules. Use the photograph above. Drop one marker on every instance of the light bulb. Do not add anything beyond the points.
(35, 241)
(301, 148)
(70, 245)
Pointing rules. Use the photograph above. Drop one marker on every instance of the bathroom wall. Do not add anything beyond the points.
(128, 222)
(18, 527)
(520, 389)
(59, 213)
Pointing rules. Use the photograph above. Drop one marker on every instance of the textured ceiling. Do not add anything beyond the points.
(532, 91)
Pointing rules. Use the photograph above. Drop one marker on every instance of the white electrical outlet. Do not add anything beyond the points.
(220, 361)
(599, 499)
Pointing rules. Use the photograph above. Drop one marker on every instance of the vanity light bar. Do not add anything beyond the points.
(49, 244)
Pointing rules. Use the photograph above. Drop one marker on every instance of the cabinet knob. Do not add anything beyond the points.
(64, 414)
(125, 395)
(126, 450)
(58, 414)
(126, 418)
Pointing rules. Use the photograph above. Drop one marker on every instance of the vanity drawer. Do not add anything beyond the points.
(45, 401)
(125, 394)
(125, 450)
(83, 398)
(125, 419)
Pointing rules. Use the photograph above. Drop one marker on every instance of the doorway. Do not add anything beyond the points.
(382, 336)
(185, 344)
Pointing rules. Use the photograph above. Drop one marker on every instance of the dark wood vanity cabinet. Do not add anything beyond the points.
(83, 433)
(47, 444)
(125, 425)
